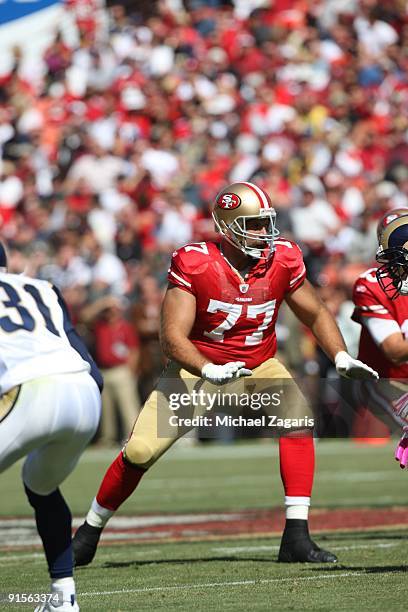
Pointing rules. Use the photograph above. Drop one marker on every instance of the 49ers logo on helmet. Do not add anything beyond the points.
(229, 201)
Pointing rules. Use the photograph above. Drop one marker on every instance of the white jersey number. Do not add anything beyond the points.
(253, 311)
(369, 275)
(200, 247)
(233, 312)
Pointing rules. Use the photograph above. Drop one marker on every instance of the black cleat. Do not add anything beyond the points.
(85, 543)
(298, 547)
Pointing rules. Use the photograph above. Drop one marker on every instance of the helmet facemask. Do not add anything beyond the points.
(240, 235)
(392, 275)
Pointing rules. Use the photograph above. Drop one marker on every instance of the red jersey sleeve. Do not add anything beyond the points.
(294, 262)
(186, 265)
(178, 275)
(369, 299)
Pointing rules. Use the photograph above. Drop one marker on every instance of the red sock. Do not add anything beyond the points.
(297, 462)
(120, 480)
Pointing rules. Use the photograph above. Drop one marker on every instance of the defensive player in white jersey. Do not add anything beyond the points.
(49, 411)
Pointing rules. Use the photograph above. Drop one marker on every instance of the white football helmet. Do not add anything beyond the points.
(235, 206)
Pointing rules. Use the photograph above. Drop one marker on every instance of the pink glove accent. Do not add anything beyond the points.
(401, 452)
(400, 407)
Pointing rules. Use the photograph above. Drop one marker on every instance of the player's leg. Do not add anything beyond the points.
(150, 438)
(297, 463)
(54, 523)
(24, 425)
(297, 470)
(69, 405)
(14, 437)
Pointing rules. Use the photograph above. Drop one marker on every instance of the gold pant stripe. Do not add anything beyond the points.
(7, 401)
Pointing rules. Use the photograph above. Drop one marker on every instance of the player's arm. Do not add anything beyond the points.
(372, 312)
(312, 312)
(177, 320)
(77, 343)
(395, 348)
(387, 334)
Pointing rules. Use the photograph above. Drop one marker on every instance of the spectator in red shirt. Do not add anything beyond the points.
(117, 353)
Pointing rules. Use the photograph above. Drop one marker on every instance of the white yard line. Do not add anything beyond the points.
(210, 585)
(7, 558)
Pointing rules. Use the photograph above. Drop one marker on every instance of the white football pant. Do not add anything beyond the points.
(52, 421)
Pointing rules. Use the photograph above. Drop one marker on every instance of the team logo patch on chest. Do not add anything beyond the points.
(243, 287)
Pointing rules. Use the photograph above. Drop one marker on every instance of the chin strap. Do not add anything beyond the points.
(252, 252)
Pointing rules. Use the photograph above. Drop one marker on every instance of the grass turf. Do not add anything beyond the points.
(230, 575)
(213, 477)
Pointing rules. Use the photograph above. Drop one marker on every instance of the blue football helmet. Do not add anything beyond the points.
(392, 254)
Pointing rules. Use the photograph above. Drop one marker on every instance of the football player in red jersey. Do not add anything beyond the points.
(383, 314)
(218, 324)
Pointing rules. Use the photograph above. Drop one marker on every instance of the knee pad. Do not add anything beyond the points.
(139, 454)
(34, 482)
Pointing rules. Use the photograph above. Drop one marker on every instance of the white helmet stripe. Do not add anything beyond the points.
(262, 197)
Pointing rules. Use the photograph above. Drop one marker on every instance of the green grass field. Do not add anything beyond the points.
(231, 573)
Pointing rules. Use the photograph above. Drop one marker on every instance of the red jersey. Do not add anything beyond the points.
(371, 301)
(236, 316)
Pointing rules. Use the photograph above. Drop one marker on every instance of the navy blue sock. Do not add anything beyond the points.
(54, 524)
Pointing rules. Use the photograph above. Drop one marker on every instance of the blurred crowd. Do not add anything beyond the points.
(113, 149)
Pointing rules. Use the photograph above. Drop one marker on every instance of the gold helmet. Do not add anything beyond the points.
(235, 207)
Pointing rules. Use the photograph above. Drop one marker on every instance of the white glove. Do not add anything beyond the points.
(223, 373)
(353, 368)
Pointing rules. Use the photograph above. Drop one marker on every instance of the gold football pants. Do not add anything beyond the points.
(153, 433)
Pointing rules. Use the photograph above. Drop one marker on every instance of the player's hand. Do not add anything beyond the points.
(353, 368)
(400, 408)
(222, 373)
(401, 452)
